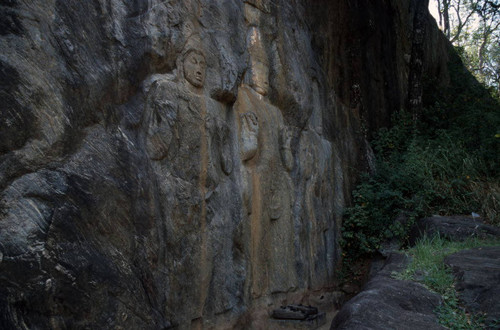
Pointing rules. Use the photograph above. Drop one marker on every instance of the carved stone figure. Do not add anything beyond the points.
(248, 136)
(162, 101)
(169, 99)
(190, 145)
(259, 81)
(121, 173)
(267, 188)
(315, 160)
(276, 204)
(160, 119)
(194, 68)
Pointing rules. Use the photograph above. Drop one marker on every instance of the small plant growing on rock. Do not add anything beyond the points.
(427, 267)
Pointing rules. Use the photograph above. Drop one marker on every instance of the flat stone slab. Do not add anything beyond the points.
(454, 228)
(387, 303)
(477, 272)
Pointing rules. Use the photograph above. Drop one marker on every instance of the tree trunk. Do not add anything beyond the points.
(446, 18)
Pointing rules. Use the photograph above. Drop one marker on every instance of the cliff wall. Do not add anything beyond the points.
(186, 163)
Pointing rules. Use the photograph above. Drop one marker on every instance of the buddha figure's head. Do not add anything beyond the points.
(259, 69)
(259, 77)
(194, 66)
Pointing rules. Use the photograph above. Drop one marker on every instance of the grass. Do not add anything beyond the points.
(445, 163)
(427, 267)
(419, 172)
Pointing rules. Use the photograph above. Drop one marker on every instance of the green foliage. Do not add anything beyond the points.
(446, 163)
(416, 175)
(428, 268)
(472, 114)
(473, 26)
(453, 317)
(427, 264)
(374, 199)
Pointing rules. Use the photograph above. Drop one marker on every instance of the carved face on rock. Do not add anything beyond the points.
(260, 81)
(194, 68)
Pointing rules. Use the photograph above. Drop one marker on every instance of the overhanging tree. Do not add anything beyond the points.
(474, 27)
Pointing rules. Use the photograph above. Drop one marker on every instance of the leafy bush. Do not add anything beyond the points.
(446, 163)
(416, 176)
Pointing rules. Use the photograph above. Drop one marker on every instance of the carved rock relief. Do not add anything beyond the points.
(268, 192)
(190, 145)
(145, 199)
(248, 136)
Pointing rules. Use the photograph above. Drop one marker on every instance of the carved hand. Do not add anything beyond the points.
(249, 135)
(251, 123)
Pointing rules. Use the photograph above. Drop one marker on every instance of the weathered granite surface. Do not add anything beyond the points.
(454, 228)
(185, 163)
(388, 303)
(477, 274)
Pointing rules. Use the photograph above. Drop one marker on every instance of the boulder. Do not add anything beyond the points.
(388, 303)
(477, 274)
(455, 228)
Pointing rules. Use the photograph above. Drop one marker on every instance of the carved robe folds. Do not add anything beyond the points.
(268, 192)
(189, 144)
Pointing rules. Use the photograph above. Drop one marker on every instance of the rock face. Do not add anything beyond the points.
(477, 272)
(454, 228)
(387, 303)
(185, 163)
